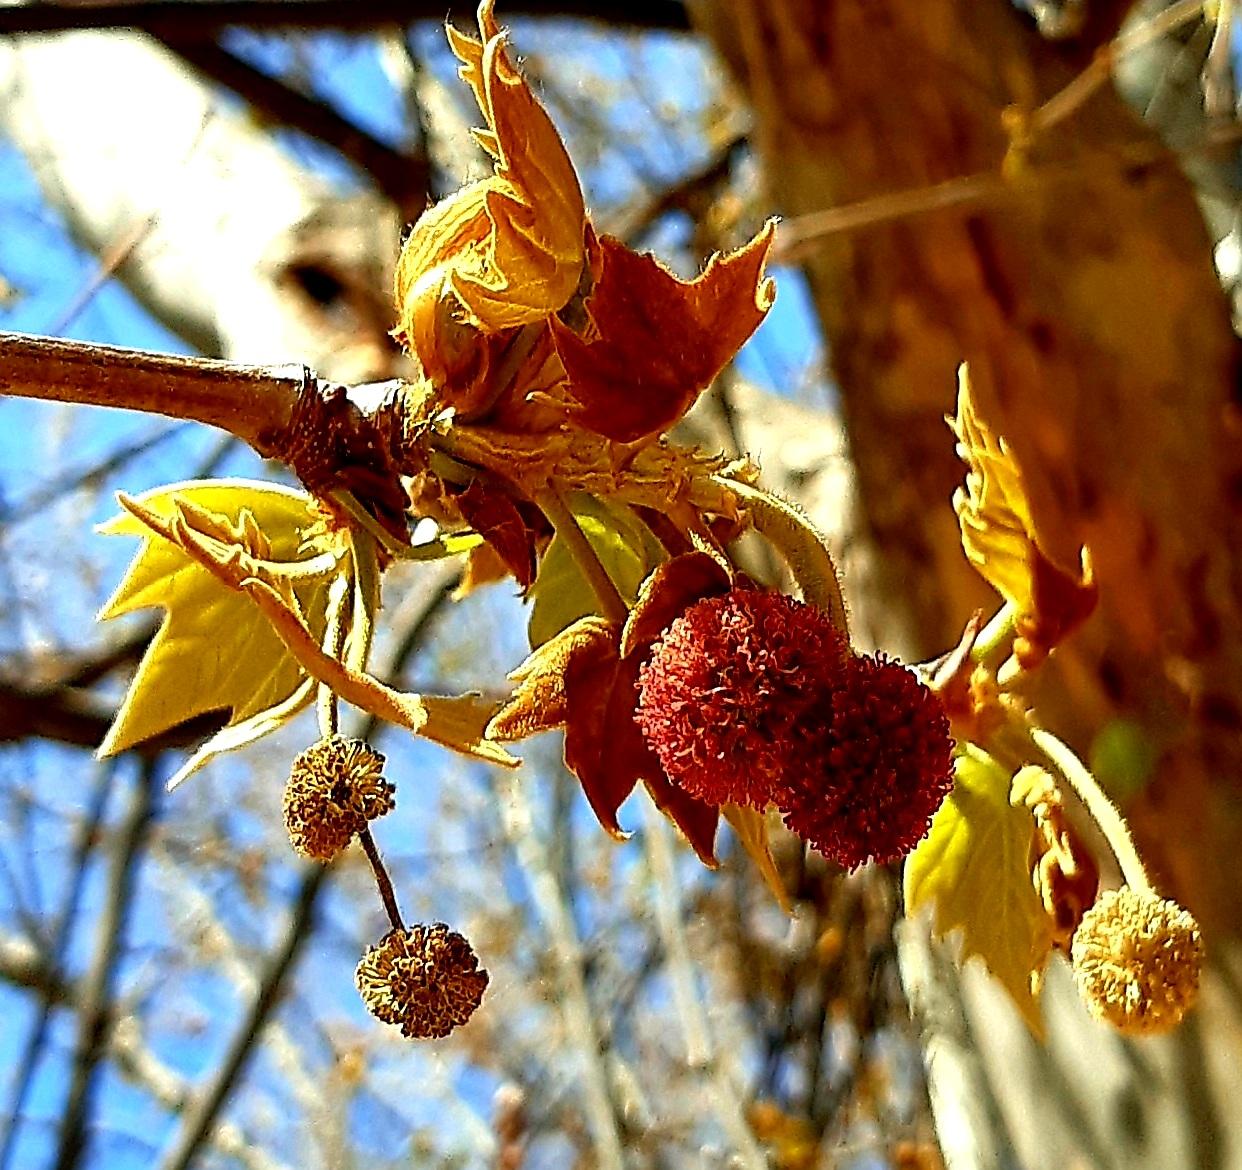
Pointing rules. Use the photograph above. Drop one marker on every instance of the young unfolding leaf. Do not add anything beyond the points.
(493, 514)
(503, 252)
(658, 341)
(214, 650)
(1065, 874)
(974, 867)
(1000, 540)
(538, 702)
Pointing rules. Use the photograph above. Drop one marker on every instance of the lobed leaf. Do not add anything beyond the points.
(214, 651)
(539, 702)
(974, 867)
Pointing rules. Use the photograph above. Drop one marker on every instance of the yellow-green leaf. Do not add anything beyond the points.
(625, 547)
(992, 508)
(1000, 538)
(214, 651)
(974, 867)
(239, 735)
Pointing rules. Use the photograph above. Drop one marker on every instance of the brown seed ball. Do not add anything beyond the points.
(335, 788)
(1136, 959)
(426, 979)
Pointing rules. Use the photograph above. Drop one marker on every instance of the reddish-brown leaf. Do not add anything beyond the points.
(658, 341)
(492, 513)
(633, 759)
(605, 773)
(1060, 605)
(696, 819)
(666, 593)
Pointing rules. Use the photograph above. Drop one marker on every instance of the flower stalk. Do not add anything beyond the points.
(382, 881)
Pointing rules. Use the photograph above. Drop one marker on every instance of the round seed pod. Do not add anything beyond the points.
(1136, 960)
(425, 979)
(335, 788)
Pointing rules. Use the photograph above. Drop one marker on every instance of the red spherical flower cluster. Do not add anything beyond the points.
(724, 698)
(754, 698)
(879, 771)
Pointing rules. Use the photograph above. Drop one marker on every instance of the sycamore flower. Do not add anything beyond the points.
(1136, 959)
(867, 785)
(726, 696)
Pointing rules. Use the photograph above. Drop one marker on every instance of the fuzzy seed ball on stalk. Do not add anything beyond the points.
(425, 979)
(336, 787)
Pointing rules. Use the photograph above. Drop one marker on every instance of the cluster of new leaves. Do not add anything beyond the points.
(1002, 864)
(551, 364)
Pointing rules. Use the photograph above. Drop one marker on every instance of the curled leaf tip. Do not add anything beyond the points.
(1000, 538)
(501, 253)
(655, 342)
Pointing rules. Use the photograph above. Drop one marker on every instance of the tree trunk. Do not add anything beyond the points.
(1081, 290)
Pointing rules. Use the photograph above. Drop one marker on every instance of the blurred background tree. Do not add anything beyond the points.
(1041, 189)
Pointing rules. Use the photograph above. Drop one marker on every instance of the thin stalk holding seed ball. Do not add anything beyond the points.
(382, 881)
(1112, 824)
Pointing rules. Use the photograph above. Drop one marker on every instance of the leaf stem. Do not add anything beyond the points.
(1112, 824)
(994, 639)
(382, 881)
(326, 705)
(612, 604)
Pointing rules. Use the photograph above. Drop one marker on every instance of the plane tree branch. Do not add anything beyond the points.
(404, 177)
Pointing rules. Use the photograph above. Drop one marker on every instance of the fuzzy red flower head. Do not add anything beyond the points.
(724, 695)
(882, 765)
